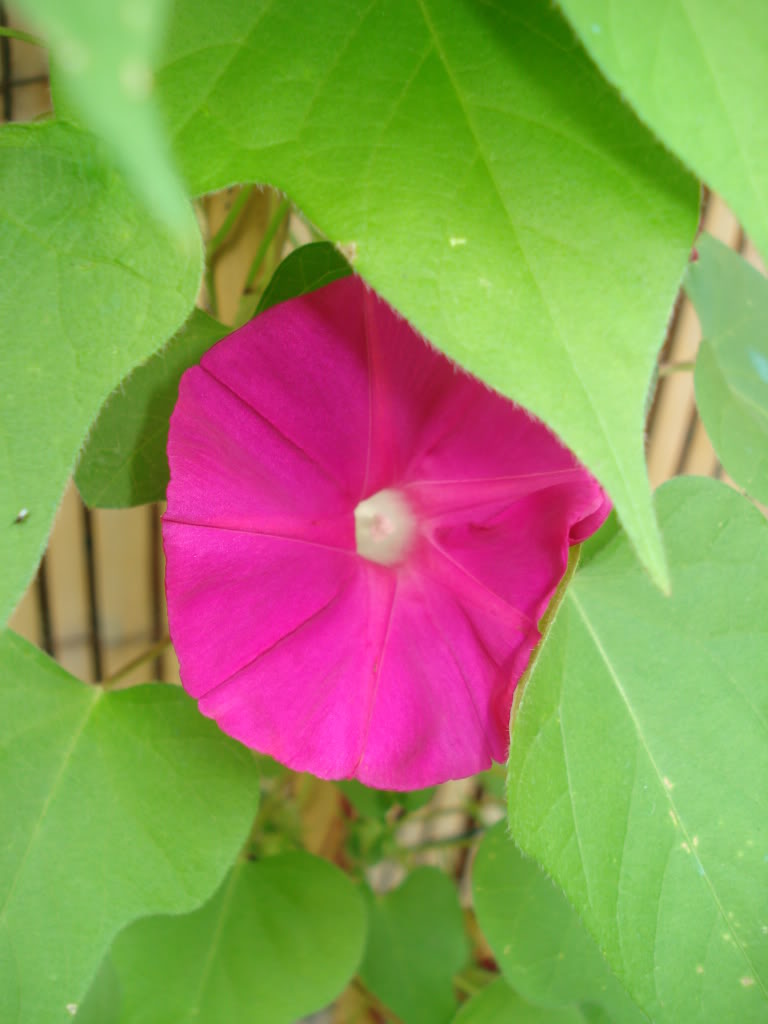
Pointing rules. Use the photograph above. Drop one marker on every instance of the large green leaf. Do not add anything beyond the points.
(539, 943)
(416, 943)
(280, 939)
(638, 770)
(88, 288)
(481, 175)
(124, 461)
(114, 805)
(104, 55)
(103, 1002)
(731, 299)
(698, 75)
(499, 1004)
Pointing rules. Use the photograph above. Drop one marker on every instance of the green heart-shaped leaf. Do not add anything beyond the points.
(541, 946)
(280, 939)
(638, 766)
(114, 805)
(416, 943)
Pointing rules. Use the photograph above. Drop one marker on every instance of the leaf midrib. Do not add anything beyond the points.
(215, 943)
(58, 780)
(439, 49)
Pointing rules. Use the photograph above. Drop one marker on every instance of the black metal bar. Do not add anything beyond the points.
(95, 627)
(6, 74)
(44, 608)
(156, 584)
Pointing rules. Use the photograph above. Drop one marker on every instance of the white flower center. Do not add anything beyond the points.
(384, 527)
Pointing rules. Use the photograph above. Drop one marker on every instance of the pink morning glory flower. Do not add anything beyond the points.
(360, 540)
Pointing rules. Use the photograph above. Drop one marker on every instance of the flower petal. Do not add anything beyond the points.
(303, 366)
(306, 699)
(399, 674)
(446, 668)
(519, 550)
(232, 594)
(230, 467)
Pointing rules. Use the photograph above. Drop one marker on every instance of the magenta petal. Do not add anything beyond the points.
(445, 669)
(517, 550)
(232, 468)
(360, 542)
(233, 594)
(303, 367)
(306, 699)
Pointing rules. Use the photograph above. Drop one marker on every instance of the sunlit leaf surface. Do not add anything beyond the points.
(114, 805)
(698, 75)
(638, 770)
(89, 287)
(280, 939)
(541, 946)
(479, 174)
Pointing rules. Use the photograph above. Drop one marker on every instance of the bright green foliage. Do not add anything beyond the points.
(638, 769)
(104, 55)
(376, 803)
(416, 943)
(114, 805)
(102, 1004)
(483, 178)
(304, 270)
(697, 74)
(89, 287)
(731, 299)
(499, 1004)
(124, 461)
(280, 939)
(539, 943)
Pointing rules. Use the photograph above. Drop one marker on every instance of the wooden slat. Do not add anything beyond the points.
(26, 618)
(234, 259)
(698, 458)
(30, 91)
(68, 589)
(122, 556)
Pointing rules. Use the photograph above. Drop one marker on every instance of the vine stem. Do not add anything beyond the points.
(269, 234)
(23, 37)
(228, 223)
(147, 655)
(216, 242)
